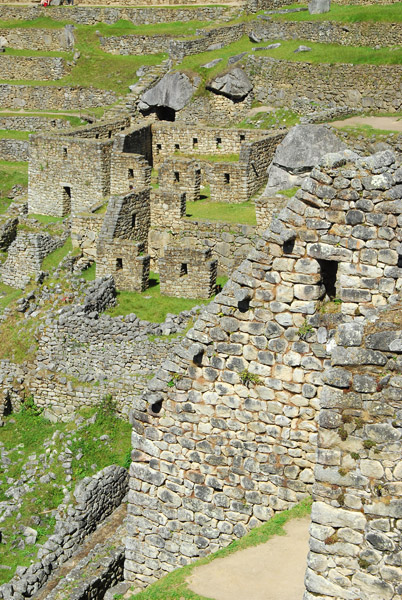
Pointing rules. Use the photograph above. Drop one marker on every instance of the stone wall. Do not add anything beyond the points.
(132, 153)
(167, 208)
(168, 138)
(50, 97)
(27, 123)
(355, 534)
(230, 243)
(25, 256)
(177, 48)
(187, 273)
(67, 173)
(28, 38)
(239, 399)
(32, 67)
(181, 176)
(90, 15)
(94, 499)
(85, 229)
(14, 150)
(267, 208)
(215, 110)
(280, 83)
(332, 32)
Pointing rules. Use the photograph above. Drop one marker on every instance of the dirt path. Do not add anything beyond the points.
(388, 123)
(272, 571)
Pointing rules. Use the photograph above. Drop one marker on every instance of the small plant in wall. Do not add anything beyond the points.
(248, 378)
(176, 377)
(304, 330)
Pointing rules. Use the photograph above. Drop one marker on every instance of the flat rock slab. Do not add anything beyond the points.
(271, 571)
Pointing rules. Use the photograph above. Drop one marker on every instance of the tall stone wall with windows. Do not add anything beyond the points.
(232, 425)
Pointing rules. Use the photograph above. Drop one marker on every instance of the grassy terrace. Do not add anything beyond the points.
(12, 134)
(151, 305)
(222, 211)
(381, 13)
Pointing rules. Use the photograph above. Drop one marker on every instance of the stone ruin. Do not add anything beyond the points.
(187, 273)
(282, 388)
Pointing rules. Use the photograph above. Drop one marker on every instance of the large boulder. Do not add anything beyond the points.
(234, 84)
(67, 38)
(298, 153)
(318, 7)
(173, 92)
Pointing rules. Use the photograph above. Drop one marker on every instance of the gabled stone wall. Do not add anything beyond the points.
(232, 429)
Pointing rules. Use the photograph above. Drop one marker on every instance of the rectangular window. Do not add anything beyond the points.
(119, 264)
(131, 173)
(65, 152)
(177, 146)
(176, 176)
(195, 142)
(227, 177)
(218, 141)
(183, 269)
(242, 137)
(133, 220)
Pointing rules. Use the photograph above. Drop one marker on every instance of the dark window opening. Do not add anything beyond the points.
(158, 147)
(131, 173)
(400, 261)
(177, 176)
(109, 134)
(156, 407)
(122, 128)
(218, 142)
(227, 177)
(329, 270)
(177, 146)
(8, 409)
(183, 269)
(242, 137)
(67, 192)
(288, 247)
(184, 196)
(119, 264)
(133, 220)
(243, 305)
(164, 113)
(195, 141)
(198, 172)
(97, 136)
(65, 152)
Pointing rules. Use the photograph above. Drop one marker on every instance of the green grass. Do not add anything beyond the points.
(90, 273)
(243, 213)
(271, 119)
(174, 585)
(289, 193)
(52, 260)
(122, 27)
(46, 219)
(8, 294)
(17, 337)
(39, 23)
(12, 134)
(11, 173)
(366, 130)
(26, 435)
(151, 305)
(375, 13)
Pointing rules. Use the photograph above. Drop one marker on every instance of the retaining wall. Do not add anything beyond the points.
(88, 15)
(28, 38)
(37, 68)
(332, 32)
(282, 83)
(22, 123)
(14, 150)
(52, 97)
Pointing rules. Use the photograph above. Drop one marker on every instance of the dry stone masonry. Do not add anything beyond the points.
(231, 434)
(187, 273)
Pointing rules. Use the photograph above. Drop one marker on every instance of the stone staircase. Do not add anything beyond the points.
(150, 76)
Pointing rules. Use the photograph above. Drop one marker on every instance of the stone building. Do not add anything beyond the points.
(123, 240)
(187, 273)
(181, 175)
(240, 399)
